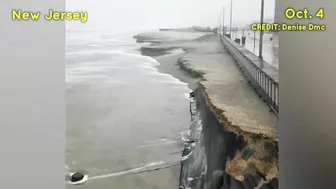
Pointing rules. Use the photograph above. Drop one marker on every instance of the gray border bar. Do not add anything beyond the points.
(32, 98)
(308, 100)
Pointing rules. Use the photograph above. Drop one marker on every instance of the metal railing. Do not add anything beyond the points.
(265, 86)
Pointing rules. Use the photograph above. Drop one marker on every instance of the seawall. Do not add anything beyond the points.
(232, 139)
(209, 148)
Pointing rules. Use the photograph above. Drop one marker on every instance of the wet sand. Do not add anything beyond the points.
(169, 65)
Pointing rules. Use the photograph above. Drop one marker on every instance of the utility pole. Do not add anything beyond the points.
(223, 20)
(218, 23)
(254, 32)
(261, 32)
(220, 20)
(230, 18)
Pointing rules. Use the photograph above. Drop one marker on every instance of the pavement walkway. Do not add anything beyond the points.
(224, 84)
(227, 88)
(270, 48)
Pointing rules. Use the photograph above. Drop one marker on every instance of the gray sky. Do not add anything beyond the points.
(123, 15)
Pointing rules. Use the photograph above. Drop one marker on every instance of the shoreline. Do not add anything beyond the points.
(169, 65)
(169, 62)
(236, 108)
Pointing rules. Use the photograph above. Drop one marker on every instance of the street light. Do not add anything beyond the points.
(230, 18)
(223, 20)
(261, 32)
(220, 20)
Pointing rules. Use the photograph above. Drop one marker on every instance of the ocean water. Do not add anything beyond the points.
(124, 118)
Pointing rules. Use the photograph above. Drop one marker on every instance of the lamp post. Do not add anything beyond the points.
(261, 32)
(223, 21)
(219, 24)
(220, 20)
(231, 19)
(254, 32)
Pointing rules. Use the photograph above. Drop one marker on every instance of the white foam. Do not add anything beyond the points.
(190, 179)
(84, 38)
(168, 77)
(187, 95)
(155, 141)
(135, 170)
(172, 53)
(183, 137)
(95, 51)
(112, 40)
(157, 144)
(113, 52)
(94, 45)
(85, 178)
(177, 82)
(189, 132)
(165, 78)
(186, 157)
(177, 51)
(85, 71)
(88, 68)
(148, 66)
(89, 71)
(81, 78)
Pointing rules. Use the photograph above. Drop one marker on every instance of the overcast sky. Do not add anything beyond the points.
(152, 14)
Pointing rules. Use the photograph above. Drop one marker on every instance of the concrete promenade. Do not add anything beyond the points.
(263, 76)
(270, 48)
(229, 95)
(227, 88)
(235, 101)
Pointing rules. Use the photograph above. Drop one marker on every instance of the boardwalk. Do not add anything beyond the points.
(262, 76)
(225, 85)
(270, 47)
(227, 88)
